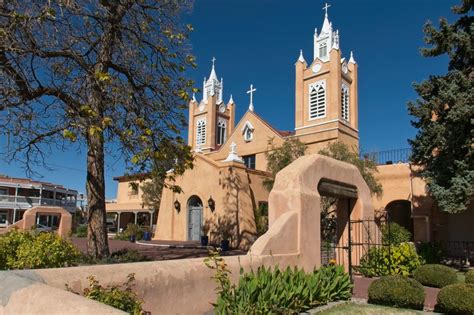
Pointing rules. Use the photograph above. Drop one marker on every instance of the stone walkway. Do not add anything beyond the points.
(361, 285)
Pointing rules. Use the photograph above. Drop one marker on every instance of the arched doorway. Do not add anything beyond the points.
(194, 218)
(399, 211)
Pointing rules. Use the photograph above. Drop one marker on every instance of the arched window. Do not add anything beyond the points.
(323, 50)
(221, 131)
(345, 102)
(317, 100)
(201, 132)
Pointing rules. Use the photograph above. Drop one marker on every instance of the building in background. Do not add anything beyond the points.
(20, 194)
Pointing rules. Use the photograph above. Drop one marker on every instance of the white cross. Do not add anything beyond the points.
(213, 60)
(251, 96)
(326, 6)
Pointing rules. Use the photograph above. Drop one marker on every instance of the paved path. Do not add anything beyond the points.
(361, 285)
(169, 250)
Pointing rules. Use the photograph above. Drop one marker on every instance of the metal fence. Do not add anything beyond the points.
(389, 156)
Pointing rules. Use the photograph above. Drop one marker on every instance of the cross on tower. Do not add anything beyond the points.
(251, 96)
(213, 60)
(326, 7)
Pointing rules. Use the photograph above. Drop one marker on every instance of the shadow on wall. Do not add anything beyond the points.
(235, 225)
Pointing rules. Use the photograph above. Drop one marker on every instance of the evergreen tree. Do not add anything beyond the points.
(444, 114)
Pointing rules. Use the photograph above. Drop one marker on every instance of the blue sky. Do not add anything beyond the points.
(258, 42)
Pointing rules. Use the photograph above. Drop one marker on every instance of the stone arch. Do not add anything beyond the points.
(194, 207)
(295, 207)
(399, 211)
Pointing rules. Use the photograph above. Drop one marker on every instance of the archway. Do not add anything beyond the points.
(194, 218)
(399, 211)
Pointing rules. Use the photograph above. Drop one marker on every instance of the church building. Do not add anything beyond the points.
(226, 186)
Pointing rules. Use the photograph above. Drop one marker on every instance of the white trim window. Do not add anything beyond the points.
(317, 100)
(323, 50)
(345, 102)
(221, 131)
(201, 132)
(247, 131)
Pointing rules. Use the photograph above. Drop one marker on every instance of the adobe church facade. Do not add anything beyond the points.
(225, 187)
(230, 157)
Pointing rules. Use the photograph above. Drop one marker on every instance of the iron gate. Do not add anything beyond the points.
(348, 245)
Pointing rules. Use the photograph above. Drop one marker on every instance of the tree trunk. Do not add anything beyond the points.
(97, 242)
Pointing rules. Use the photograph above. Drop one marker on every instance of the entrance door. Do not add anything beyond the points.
(195, 218)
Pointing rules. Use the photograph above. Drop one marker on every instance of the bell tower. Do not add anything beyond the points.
(326, 101)
(211, 121)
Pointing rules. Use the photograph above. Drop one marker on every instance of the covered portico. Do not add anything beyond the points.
(126, 213)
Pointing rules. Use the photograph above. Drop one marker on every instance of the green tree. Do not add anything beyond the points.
(367, 167)
(105, 75)
(443, 114)
(280, 157)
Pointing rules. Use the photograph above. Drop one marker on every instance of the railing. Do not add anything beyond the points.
(36, 201)
(389, 156)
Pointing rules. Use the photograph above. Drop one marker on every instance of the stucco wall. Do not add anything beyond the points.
(235, 190)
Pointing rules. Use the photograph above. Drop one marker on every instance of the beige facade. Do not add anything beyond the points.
(326, 110)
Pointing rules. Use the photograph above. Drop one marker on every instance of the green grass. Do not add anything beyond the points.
(352, 308)
(461, 276)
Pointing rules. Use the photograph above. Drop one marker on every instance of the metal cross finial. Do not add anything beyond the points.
(251, 96)
(326, 7)
(213, 60)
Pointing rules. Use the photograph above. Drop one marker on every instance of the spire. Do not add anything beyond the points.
(231, 100)
(351, 60)
(301, 58)
(213, 74)
(326, 25)
(212, 85)
(194, 98)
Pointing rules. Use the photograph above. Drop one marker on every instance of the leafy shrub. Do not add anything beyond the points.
(432, 252)
(436, 276)
(397, 291)
(395, 234)
(470, 277)
(390, 260)
(275, 291)
(456, 299)
(81, 231)
(132, 229)
(121, 296)
(28, 250)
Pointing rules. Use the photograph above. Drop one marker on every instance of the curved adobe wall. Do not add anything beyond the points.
(295, 190)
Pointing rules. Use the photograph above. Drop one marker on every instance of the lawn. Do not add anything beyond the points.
(352, 308)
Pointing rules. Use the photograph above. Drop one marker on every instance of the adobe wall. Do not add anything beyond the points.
(235, 190)
(29, 219)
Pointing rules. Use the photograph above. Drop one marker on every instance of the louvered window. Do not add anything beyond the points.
(317, 100)
(201, 132)
(345, 103)
(323, 50)
(221, 128)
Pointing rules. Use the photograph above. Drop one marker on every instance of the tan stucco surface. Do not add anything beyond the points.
(235, 190)
(29, 219)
